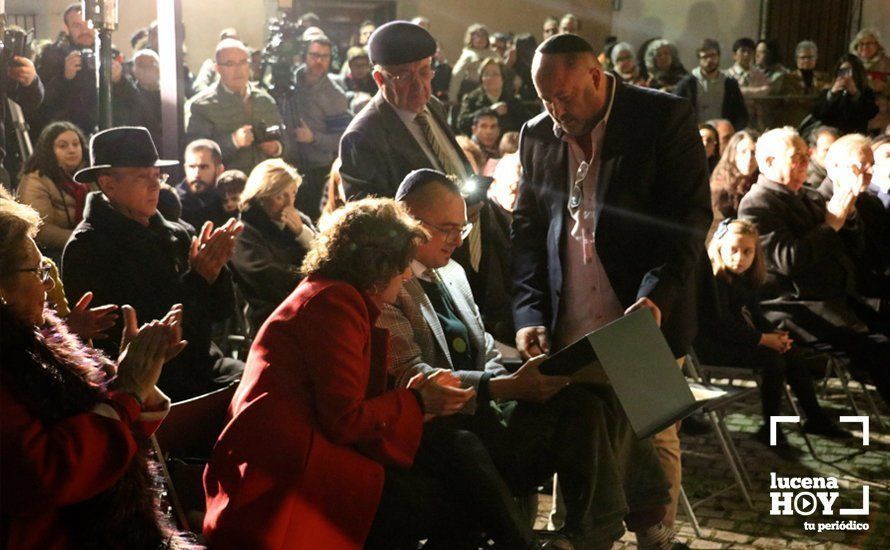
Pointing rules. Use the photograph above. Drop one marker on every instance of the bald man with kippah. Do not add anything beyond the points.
(612, 213)
(403, 128)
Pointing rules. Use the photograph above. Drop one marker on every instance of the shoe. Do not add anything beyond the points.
(825, 427)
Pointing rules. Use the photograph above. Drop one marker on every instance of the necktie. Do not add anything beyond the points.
(475, 242)
(444, 159)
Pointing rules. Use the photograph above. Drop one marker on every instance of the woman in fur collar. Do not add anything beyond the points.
(75, 425)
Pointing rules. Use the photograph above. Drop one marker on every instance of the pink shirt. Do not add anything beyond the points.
(588, 300)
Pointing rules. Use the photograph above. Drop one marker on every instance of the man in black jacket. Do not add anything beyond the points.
(612, 211)
(67, 68)
(714, 94)
(126, 253)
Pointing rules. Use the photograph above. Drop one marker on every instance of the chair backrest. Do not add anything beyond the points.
(193, 426)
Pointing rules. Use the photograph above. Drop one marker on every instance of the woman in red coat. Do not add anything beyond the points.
(74, 430)
(313, 430)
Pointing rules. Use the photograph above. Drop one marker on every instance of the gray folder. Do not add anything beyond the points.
(631, 355)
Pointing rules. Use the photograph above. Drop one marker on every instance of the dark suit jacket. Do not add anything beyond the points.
(805, 258)
(378, 151)
(733, 108)
(491, 284)
(654, 211)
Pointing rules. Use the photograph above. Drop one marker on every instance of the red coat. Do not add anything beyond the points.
(300, 463)
(47, 467)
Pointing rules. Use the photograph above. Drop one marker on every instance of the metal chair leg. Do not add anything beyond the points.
(690, 514)
(171, 490)
(844, 376)
(871, 405)
(731, 459)
(796, 409)
(735, 452)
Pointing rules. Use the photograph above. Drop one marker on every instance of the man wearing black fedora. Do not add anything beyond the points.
(125, 252)
(403, 128)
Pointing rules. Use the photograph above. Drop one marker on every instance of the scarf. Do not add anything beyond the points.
(79, 192)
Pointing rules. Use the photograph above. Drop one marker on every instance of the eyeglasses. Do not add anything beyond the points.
(426, 73)
(577, 194)
(452, 233)
(318, 56)
(866, 43)
(43, 271)
(234, 64)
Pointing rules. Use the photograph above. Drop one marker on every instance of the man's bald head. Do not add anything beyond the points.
(570, 82)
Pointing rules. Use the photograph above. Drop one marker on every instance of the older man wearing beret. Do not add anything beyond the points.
(403, 128)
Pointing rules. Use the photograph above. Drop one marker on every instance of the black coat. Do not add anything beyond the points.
(845, 112)
(197, 209)
(721, 317)
(654, 211)
(873, 264)
(491, 285)
(123, 262)
(77, 100)
(476, 101)
(805, 258)
(733, 108)
(266, 263)
(378, 150)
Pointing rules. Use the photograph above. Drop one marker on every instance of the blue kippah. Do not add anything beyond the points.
(417, 179)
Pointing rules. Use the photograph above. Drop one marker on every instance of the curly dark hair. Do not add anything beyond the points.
(365, 243)
(728, 185)
(44, 158)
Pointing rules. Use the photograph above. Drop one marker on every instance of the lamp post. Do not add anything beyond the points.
(103, 14)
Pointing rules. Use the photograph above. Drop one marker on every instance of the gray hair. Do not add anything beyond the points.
(622, 47)
(804, 45)
(653, 47)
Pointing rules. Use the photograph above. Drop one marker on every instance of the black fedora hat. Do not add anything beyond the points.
(121, 147)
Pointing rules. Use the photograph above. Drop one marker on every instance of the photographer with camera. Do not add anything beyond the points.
(323, 116)
(68, 69)
(849, 104)
(242, 118)
(21, 84)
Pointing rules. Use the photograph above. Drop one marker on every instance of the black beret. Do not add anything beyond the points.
(417, 179)
(565, 43)
(400, 42)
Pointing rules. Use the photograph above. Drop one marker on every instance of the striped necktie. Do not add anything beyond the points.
(443, 157)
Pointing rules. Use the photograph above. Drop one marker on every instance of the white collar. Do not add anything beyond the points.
(421, 271)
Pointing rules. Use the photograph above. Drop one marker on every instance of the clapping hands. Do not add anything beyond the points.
(145, 349)
(213, 247)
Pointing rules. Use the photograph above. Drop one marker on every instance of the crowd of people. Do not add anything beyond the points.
(406, 252)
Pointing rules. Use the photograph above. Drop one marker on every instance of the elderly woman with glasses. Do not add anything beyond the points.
(866, 45)
(75, 423)
(624, 64)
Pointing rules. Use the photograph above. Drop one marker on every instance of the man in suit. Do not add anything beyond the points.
(612, 211)
(403, 128)
(530, 424)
